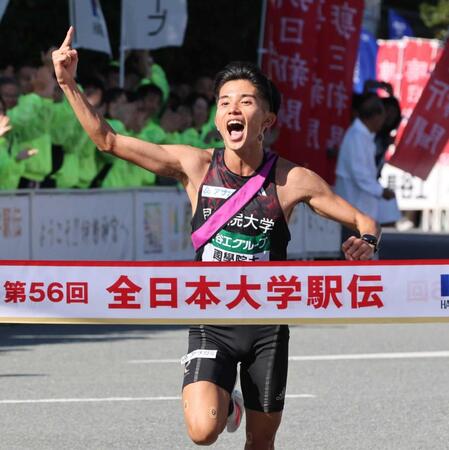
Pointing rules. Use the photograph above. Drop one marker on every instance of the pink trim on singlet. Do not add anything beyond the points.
(232, 205)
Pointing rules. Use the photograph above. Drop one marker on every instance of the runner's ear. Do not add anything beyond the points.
(269, 121)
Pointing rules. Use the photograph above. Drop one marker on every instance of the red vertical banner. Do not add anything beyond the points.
(427, 131)
(290, 48)
(338, 33)
(418, 62)
(389, 63)
(310, 52)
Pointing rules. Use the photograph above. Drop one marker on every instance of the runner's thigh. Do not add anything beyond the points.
(264, 376)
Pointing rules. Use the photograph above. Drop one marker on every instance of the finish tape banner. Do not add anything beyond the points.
(224, 293)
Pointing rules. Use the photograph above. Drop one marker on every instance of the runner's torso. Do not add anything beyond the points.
(258, 232)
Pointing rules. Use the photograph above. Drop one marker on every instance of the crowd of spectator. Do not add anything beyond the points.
(42, 145)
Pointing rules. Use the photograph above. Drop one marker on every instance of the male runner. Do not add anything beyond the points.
(247, 103)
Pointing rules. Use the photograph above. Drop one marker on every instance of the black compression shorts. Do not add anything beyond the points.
(262, 351)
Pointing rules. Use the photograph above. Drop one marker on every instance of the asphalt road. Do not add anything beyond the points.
(118, 387)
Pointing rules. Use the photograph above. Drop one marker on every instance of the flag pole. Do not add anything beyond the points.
(260, 49)
(122, 47)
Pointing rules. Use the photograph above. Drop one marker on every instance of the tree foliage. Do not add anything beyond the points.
(436, 17)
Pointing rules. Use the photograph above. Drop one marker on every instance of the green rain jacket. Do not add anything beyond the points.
(65, 132)
(10, 169)
(30, 120)
(122, 173)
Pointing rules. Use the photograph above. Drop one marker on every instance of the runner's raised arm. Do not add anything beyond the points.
(169, 160)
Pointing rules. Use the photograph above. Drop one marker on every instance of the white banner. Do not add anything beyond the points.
(83, 226)
(91, 31)
(151, 24)
(288, 292)
(3, 6)
(14, 227)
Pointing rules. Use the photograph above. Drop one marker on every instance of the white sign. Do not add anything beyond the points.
(163, 226)
(162, 292)
(14, 227)
(90, 27)
(412, 193)
(3, 6)
(83, 226)
(151, 24)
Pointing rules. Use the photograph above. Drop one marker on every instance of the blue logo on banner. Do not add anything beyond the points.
(444, 285)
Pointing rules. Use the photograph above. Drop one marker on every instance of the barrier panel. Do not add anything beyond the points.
(171, 293)
(151, 224)
(413, 194)
(15, 233)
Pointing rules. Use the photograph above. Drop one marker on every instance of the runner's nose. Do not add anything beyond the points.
(234, 109)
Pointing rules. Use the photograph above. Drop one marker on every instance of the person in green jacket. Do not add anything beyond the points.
(202, 133)
(30, 117)
(118, 173)
(11, 168)
(151, 73)
(65, 131)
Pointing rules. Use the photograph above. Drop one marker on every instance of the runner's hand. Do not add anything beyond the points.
(356, 249)
(65, 60)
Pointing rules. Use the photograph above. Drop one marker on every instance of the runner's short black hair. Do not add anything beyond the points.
(242, 70)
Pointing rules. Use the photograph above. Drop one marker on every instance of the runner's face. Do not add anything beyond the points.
(242, 115)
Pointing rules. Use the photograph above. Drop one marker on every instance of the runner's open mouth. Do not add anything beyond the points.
(235, 129)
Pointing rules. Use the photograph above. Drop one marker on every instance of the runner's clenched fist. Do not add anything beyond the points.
(65, 60)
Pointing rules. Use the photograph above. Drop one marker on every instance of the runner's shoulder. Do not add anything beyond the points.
(190, 154)
(194, 161)
(288, 172)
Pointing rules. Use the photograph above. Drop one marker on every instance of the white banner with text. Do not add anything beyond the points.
(282, 292)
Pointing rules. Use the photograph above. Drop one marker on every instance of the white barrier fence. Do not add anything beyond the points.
(431, 197)
(142, 225)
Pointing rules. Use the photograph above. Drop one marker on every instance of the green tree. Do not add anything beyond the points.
(436, 17)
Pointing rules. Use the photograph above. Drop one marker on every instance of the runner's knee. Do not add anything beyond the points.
(203, 433)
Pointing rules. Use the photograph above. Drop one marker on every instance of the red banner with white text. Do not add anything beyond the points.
(427, 132)
(310, 53)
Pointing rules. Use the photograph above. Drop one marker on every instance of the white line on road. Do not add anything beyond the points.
(343, 357)
(113, 399)
(363, 356)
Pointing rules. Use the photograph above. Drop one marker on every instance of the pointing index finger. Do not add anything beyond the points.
(68, 38)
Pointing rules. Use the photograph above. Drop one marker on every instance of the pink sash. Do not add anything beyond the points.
(232, 205)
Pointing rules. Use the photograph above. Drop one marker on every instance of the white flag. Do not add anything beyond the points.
(3, 5)
(90, 27)
(150, 24)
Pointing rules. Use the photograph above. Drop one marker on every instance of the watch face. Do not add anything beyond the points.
(370, 239)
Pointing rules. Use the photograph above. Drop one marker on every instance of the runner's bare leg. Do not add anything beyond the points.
(261, 429)
(206, 408)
